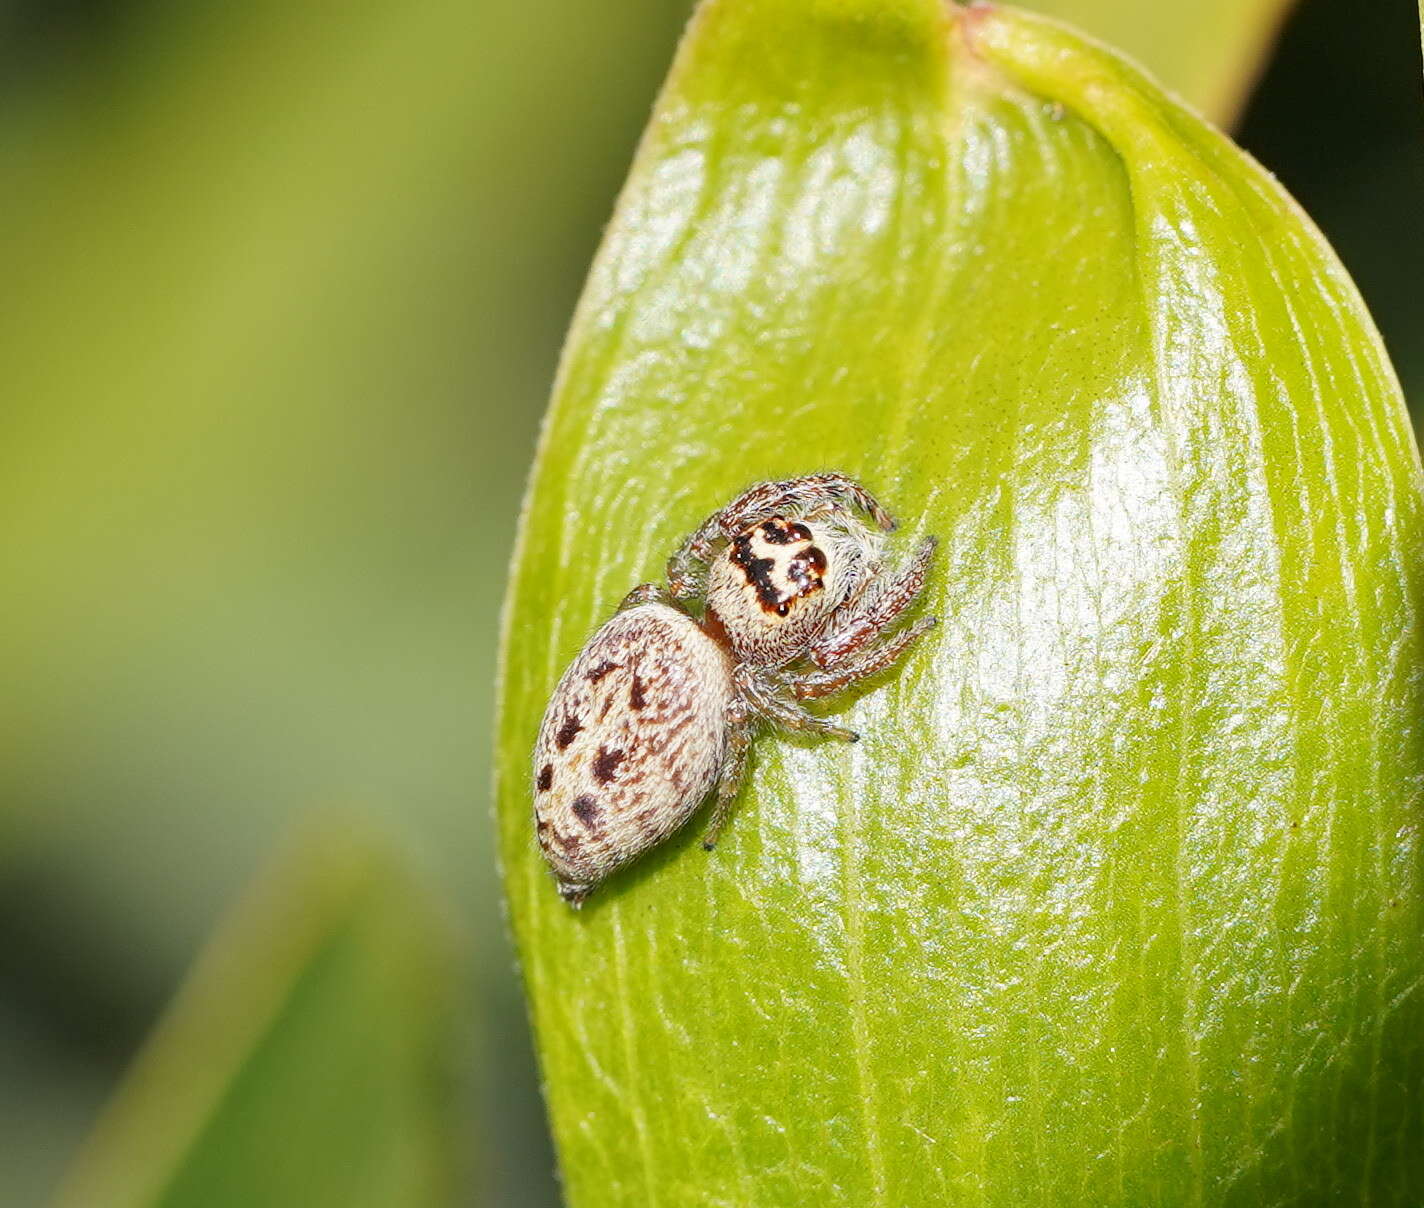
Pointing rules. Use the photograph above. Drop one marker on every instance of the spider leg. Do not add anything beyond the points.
(883, 600)
(644, 593)
(769, 697)
(867, 661)
(739, 738)
(686, 569)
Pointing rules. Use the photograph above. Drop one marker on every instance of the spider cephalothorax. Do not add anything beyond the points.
(779, 581)
(660, 705)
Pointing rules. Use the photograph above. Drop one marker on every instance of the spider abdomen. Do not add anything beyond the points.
(632, 741)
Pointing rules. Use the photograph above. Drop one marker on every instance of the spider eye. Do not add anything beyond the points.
(783, 608)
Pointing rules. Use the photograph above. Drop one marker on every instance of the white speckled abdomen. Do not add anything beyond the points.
(631, 743)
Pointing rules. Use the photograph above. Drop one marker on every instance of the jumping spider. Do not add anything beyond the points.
(660, 706)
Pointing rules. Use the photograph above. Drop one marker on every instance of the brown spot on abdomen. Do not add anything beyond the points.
(546, 778)
(605, 764)
(567, 731)
(586, 811)
(637, 695)
(601, 670)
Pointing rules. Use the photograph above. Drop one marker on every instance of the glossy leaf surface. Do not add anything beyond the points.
(1119, 900)
(307, 1060)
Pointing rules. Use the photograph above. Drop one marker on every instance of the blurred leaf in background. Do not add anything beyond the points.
(266, 431)
(309, 1058)
(1338, 117)
(285, 289)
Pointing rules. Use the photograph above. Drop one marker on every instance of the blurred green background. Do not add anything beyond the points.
(284, 290)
